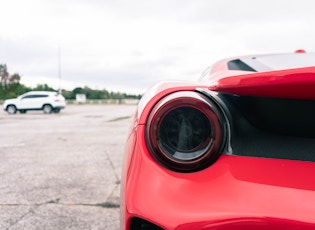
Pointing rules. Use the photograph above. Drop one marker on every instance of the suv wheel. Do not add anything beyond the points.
(47, 109)
(11, 109)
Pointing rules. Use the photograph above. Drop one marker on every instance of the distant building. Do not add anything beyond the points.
(130, 101)
(80, 98)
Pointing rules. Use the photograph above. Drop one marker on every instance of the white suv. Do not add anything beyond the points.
(35, 100)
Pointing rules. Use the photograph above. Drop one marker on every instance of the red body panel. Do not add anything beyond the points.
(292, 83)
(234, 193)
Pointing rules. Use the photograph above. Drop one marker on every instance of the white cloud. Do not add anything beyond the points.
(130, 45)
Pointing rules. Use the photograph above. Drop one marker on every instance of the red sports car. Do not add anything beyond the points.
(235, 150)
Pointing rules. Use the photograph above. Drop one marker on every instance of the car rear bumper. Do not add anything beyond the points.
(234, 193)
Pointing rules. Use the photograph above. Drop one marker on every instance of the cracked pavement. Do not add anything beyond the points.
(62, 171)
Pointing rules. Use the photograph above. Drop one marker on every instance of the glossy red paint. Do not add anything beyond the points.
(300, 51)
(293, 83)
(236, 192)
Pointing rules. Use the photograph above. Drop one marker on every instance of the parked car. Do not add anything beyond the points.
(234, 150)
(35, 100)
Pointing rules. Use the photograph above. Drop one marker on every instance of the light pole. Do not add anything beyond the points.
(59, 70)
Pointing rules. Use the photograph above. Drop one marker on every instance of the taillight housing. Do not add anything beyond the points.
(185, 131)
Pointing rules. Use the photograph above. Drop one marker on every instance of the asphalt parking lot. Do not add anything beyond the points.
(62, 171)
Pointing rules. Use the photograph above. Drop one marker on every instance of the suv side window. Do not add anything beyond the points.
(28, 97)
(35, 96)
(42, 95)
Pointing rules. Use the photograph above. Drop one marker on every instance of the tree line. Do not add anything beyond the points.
(11, 87)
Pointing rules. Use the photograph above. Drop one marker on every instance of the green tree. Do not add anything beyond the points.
(43, 87)
(9, 83)
(15, 78)
(10, 87)
(4, 79)
(67, 94)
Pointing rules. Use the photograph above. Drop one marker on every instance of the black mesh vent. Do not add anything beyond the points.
(140, 224)
(272, 128)
(239, 65)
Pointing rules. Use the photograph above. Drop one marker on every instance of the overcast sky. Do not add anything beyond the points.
(129, 45)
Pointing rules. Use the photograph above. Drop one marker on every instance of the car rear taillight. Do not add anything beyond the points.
(185, 132)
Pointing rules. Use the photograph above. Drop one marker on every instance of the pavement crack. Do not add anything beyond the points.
(119, 118)
(102, 205)
(34, 206)
(106, 204)
(112, 166)
(30, 211)
(4, 205)
(112, 201)
(55, 201)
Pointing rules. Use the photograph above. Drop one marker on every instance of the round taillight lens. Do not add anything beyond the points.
(185, 132)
